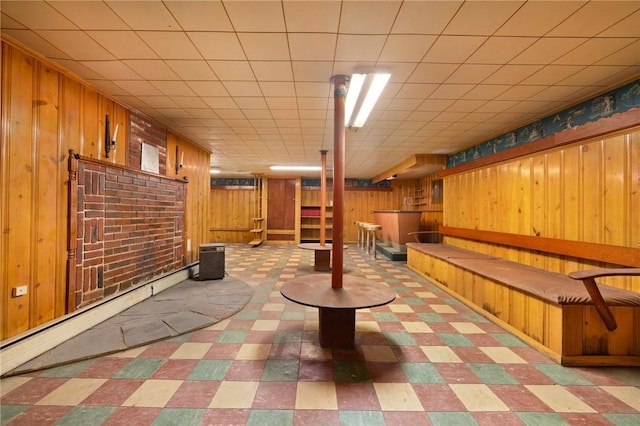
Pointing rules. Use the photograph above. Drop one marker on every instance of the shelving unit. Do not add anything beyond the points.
(310, 223)
(257, 230)
(419, 199)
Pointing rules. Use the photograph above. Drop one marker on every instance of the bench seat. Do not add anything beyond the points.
(550, 311)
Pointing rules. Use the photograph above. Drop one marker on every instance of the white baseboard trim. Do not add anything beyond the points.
(23, 348)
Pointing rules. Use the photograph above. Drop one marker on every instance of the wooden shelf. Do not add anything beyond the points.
(310, 223)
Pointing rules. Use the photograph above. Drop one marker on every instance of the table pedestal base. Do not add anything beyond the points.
(337, 327)
(322, 260)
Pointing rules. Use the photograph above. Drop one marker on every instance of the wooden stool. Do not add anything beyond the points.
(360, 232)
(372, 229)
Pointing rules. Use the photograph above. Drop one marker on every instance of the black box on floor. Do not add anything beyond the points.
(211, 261)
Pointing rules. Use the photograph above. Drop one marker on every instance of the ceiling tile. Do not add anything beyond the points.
(160, 102)
(232, 70)
(368, 17)
(453, 49)
(152, 69)
(284, 114)
(109, 87)
(406, 47)
(594, 50)
(536, 18)
(500, 50)
(435, 104)
(90, 15)
(243, 88)
(416, 91)
(314, 103)
(38, 15)
(257, 114)
(403, 104)
(625, 56)
(547, 50)
(112, 70)
(220, 103)
(312, 47)
(312, 16)
(138, 88)
(283, 89)
(424, 17)
(217, 46)
(144, 15)
(173, 88)
(282, 103)
(359, 47)
(432, 73)
(170, 45)
(251, 102)
(207, 88)
(35, 41)
(520, 92)
(466, 105)
(485, 92)
(471, 73)
(123, 44)
(317, 90)
(252, 16)
(628, 27)
(312, 71)
(594, 17)
(496, 106)
(200, 15)
(265, 46)
(552, 74)
(481, 17)
(77, 45)
(512, 74)
(272, 70)
(9, 23)
(590, 76)
(192, 70)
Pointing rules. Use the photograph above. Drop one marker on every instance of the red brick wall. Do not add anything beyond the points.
(130, 229)
(144, 130)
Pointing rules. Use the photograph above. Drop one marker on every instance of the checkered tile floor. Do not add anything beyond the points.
(424, 359)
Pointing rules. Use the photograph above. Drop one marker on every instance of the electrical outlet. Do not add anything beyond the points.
(19, 291)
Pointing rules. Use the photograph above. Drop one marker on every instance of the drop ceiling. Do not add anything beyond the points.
(249, 81)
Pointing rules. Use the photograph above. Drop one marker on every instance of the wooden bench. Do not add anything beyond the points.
(574, 323)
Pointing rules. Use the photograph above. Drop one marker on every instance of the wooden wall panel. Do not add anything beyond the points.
(47, 154)
(195, 168)
(231, 210)
(17, 187)
(586, 191)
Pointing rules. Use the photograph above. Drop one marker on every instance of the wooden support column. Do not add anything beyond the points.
(339, 95)
(323, 197)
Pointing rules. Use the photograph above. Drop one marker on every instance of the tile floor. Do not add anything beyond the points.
(424, 359)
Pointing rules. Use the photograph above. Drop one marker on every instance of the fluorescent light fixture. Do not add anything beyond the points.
(357, 109)
(214, 171)
(355, 86)
(297, 168)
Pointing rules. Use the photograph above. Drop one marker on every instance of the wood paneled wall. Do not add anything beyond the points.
(231, 213)
(46, 112)
(587, 191)
(196, 170)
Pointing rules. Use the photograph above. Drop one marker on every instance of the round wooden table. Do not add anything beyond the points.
(322, 255)
(337, 307)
